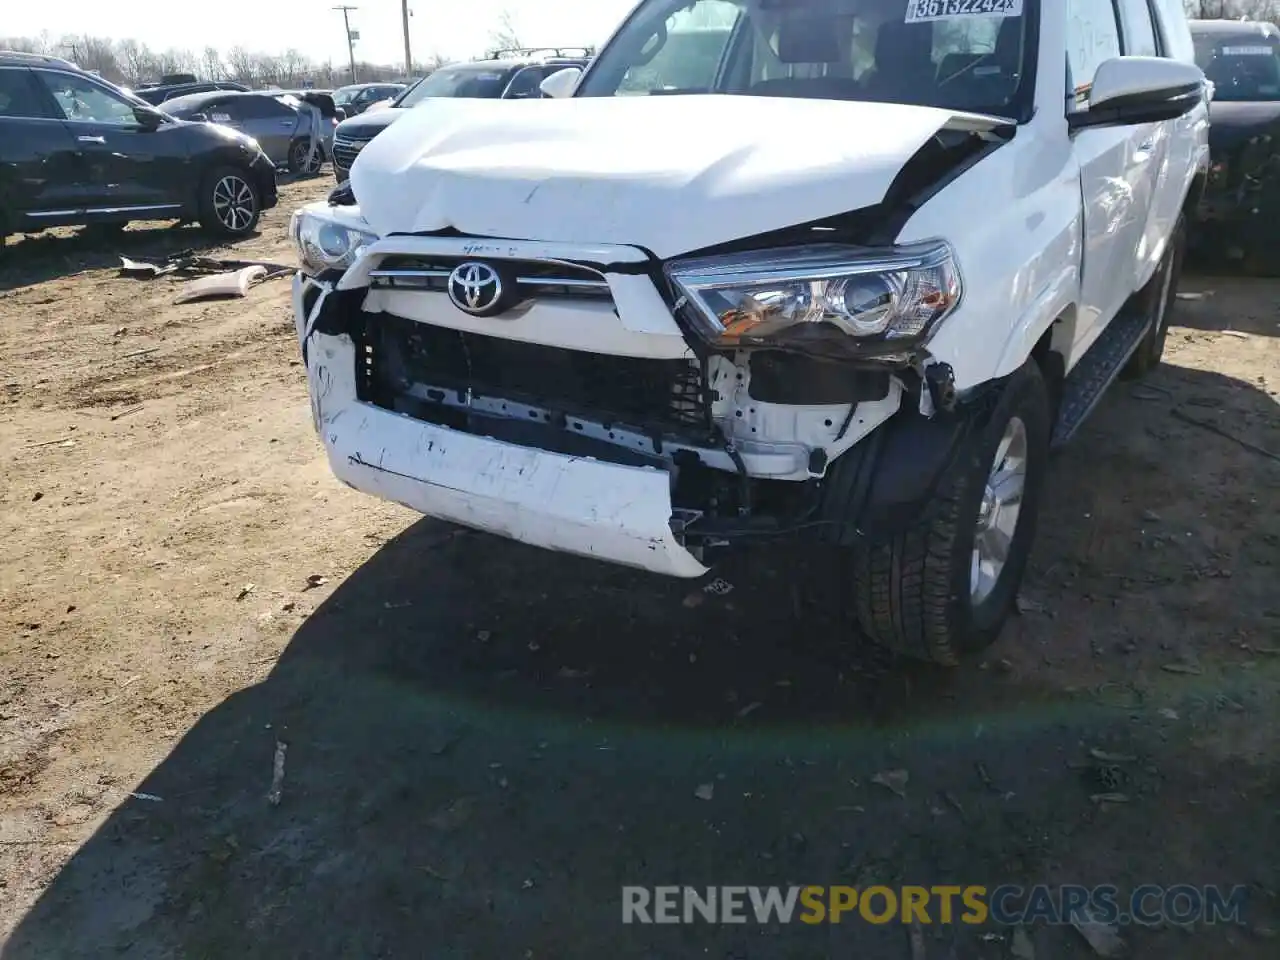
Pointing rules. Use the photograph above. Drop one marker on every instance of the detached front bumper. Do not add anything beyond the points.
(586, 507)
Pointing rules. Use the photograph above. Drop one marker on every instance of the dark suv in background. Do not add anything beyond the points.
(1238, 214)
(76, 150)
(507, 75)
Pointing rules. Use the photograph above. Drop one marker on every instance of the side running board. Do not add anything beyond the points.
(1096, 371)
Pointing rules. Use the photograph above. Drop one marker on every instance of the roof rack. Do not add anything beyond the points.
(36, 58)
(511, 53)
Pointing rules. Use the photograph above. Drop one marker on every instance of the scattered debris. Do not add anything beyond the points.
(288, 606)
(1214, 428)
(315, 580)
(718, 587)
(233, 284)
(1026, 605)
(527, 885)
(37, 496)
(451, 817)
(63, 441)
(705, 791)
(277, 775)
(1106, 757)
(1233, 333)
(1104, 798)
(127, 411)
(692, 600)
(1194, 295)
(147, 796)
(185, 262)
(484, 636)
(568, 673)
(1020, 947)
(138, 353)
(247, 589)
(749, 709)
(1187, 668)
(915, 937)
(1102, 937)
(1168, 713)
(893, 780)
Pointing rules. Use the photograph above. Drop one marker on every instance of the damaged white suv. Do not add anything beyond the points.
(831, 269)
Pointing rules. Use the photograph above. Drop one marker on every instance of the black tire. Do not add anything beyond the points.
(299, 150)
(915, 593)
(1157, 298)
(230, 203)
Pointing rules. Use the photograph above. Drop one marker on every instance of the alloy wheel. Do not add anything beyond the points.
(234, 203)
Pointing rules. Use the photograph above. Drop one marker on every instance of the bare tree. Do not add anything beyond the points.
(211, 64)
(505, 36)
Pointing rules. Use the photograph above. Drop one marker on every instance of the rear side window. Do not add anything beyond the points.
(1139, 31)
(256, 108)
(1093, 36)
(20, 97)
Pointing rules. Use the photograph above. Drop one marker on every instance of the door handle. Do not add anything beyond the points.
(101, 140)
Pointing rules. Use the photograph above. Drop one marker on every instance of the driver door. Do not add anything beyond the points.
(120, 165)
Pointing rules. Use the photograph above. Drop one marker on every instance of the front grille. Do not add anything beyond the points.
(657, 397)
(535, 279)
(346, 150)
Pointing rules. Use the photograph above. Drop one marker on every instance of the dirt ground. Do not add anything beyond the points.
(484, 741)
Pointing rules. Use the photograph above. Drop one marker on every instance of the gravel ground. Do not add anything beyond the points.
(485, 741)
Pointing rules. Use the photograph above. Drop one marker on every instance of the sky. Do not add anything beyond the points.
(458, 29)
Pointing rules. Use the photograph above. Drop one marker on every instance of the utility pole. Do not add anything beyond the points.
(408, 56)
(351, 43)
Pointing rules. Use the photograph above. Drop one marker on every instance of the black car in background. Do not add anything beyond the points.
(157, 94)
(1238, 215)
(356, 98)
(515, 75)
(76, 150)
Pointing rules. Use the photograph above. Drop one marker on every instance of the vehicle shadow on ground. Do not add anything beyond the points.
(486, 741)
(46, 256)
(1228, 300)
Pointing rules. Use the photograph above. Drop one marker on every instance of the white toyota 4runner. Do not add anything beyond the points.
(834, 269)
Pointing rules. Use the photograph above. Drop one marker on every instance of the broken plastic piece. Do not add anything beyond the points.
(235, 284)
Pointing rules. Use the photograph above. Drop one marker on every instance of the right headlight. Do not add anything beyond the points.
(325, 242)
(832, 300)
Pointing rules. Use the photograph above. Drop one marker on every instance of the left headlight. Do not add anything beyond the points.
(832, 300)
(326, 244)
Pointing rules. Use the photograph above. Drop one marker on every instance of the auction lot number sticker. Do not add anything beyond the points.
(922, 11)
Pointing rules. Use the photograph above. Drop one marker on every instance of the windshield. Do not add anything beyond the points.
(1241, 67)
(465, 80)
(961, 54)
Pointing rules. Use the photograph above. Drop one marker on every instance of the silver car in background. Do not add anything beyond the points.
(281, 123)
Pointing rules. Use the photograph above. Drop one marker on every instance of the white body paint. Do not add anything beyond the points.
(1051, 230)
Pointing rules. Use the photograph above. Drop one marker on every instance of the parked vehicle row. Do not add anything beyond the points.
(516, 75)
(75, 150)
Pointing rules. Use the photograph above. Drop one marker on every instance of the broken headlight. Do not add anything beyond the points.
(832, 300)
(326, 243)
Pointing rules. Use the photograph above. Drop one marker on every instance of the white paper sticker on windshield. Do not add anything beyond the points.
(922, 11)
(1247, 51)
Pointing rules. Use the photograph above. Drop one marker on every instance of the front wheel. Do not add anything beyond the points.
(230, 204)
(946, 586)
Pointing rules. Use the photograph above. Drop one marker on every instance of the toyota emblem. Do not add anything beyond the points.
(476, 288)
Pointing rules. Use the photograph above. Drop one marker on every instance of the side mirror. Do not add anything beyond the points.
(1133, 90)
(562, 83)
(148, 118)
(340, 113)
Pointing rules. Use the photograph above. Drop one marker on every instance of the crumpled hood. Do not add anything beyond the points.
(670, 174)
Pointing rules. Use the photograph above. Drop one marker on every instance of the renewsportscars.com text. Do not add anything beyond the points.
(1009, 905)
